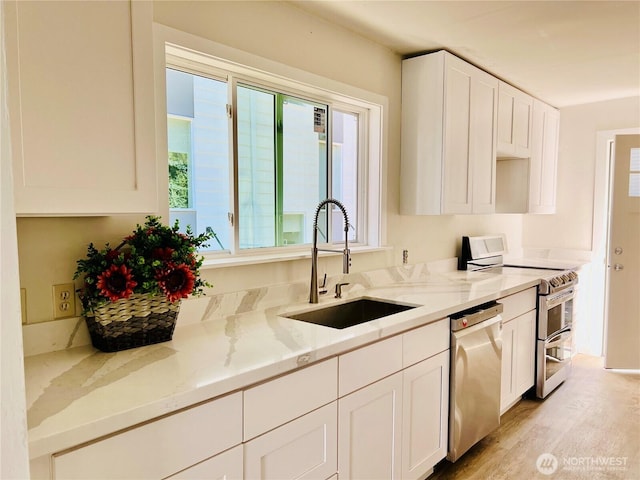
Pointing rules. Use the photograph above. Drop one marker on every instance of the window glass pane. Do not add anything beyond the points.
(634, 177)
(634, 160)
(345, 172)
(179, 138)
(197, 135)
(304, 168)
(256, 167)
(634, 184)
(283, 161)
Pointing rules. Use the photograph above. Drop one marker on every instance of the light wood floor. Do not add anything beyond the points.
(593, 417)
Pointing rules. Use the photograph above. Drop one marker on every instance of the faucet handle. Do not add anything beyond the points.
(339, 289)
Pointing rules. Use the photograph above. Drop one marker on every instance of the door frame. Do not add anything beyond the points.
(601, 224)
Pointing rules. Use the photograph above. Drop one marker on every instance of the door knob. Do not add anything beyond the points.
(618, 266)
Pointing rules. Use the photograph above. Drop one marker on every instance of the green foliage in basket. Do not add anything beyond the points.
(154, 259)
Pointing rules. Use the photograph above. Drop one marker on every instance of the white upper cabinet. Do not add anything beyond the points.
(449, 127)
(515, 111)
(544, 158)
(81, 103)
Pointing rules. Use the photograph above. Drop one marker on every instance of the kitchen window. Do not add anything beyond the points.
(249, 159)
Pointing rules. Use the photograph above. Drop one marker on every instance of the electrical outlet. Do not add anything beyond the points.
(23, 304)
(64, 300)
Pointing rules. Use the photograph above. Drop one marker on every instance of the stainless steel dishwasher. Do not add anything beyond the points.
(476, 360)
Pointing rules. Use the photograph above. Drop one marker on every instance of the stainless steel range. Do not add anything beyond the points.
(555, 330)
(555, 305)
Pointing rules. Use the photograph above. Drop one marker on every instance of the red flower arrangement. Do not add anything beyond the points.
(155, 259)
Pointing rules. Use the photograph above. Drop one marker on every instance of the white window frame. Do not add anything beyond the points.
(201, 56)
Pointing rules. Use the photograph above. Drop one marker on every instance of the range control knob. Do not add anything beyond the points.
(573, 275)
(555, 281)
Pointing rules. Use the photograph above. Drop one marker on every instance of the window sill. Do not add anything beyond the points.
(238, 260)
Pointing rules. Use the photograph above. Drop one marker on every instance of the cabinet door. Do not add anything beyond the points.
(525, 352)
(544, 158)
(549, 160)
(304, 449)
(515, 109)
(369, 431)
(425, 407)
(507, 383)
(226, 466)
(457, 174)
(484, 108)
(80, 79)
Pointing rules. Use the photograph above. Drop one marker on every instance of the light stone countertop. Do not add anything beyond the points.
(80, 394)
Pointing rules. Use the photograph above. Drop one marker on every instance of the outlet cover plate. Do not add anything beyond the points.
(64, 300)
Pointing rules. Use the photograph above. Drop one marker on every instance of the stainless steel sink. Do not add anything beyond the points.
(350, 313)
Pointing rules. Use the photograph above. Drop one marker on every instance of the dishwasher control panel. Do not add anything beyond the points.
(475, 315)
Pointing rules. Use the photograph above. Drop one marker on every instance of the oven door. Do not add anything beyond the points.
(554, 361)
(555, 312)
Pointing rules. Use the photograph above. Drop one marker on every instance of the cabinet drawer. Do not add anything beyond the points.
(518, 303)
(225, 466)
(369, 364)
(303, 449)
(159, 448)
(279, 401)
(425, 342)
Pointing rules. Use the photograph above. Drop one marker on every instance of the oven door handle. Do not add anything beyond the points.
(554, 300)
(558, 338)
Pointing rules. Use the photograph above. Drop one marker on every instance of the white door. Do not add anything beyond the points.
(623, 312)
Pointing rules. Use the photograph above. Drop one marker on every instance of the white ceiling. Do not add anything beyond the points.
(563, 52)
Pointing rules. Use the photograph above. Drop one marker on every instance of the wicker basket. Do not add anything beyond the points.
(139, 320)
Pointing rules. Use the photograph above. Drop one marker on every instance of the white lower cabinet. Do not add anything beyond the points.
(507, 386)
(518, 358)
(225, 466)
(525, 354)
(377, 412)
(303, 449)
(425, 407)
(160, 448)
(396, 426)
(369, 432)
(278, 401)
